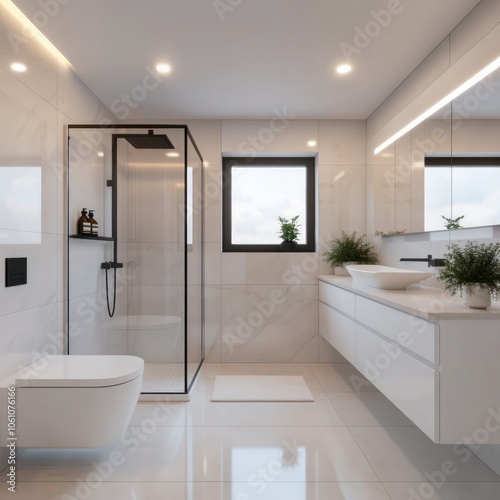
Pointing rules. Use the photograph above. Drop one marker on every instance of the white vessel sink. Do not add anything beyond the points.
(387, 278)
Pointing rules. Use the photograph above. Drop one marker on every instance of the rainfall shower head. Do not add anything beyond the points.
(149, 141)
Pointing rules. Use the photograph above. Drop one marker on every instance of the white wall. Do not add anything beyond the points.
(36, 107)
(242, 324)
(253, 328)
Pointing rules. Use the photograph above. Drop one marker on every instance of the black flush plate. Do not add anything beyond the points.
(16, 271)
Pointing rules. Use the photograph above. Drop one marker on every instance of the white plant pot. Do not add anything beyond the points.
(341, 271)
(477, 298)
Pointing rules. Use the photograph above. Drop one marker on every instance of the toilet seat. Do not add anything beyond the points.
(81, 371)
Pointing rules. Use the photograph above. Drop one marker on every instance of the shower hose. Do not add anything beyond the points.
(111, 312)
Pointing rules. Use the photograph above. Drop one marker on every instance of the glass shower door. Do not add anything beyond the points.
(137, 289)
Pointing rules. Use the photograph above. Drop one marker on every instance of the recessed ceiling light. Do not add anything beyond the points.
(163, 68)
(343, 68)
(173, 154)
(100, 154)
(18, 67)
(311, 144)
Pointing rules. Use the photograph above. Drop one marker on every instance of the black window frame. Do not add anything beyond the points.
(230, 161)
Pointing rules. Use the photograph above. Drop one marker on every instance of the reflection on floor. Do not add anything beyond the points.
(346, 445)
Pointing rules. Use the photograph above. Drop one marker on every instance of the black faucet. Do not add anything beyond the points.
(430, 261)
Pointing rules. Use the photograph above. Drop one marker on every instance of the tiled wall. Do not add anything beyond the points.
(35, 108)
(242, 322)
(262, 307)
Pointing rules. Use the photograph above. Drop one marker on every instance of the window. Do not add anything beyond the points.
(467, 186)
(258, 190)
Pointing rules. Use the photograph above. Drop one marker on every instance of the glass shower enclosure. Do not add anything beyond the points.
(135, 284)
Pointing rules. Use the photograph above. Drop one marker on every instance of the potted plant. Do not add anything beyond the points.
(349, 248)
(450, 223)
(473, 271)
(289, 233)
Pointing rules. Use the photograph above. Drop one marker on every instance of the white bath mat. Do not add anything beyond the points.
(260, 388)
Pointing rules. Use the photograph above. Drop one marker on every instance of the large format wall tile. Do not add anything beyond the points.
(24, 334)
(17, 45)
(85, 273)
(213, 323)
(278, 134)
(342, 142)
(156, 263)
(43, 268)
(76, 100)
(240, 268)
(269, 323)
(28, 145)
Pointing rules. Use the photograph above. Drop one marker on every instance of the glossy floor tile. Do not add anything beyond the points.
(149, 453)
(443, 491)
(342, 446)
(367, 408)
(407, 454)
(341, 377)
(201, 411)
(203, 491)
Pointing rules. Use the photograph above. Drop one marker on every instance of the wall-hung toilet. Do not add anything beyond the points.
(73, 401)
(156, 339)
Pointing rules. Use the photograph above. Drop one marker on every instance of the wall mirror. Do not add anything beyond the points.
(446, 171)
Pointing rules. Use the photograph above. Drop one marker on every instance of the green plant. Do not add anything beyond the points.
(473, 264)
(350, 248)
(289, 230)
(452, 223)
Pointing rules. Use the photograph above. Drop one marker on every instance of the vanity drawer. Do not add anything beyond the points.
(415, 334)
(409, 383)
(338, 330)
(338, 298)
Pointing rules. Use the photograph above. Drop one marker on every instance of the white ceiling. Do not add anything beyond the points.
(262, 54)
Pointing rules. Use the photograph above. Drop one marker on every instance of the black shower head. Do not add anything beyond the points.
(149, 141)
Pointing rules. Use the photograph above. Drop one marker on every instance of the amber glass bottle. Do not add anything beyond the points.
(84, 226)
(94, 227)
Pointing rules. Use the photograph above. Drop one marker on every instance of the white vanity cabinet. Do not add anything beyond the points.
(336, 319)
(437, 361)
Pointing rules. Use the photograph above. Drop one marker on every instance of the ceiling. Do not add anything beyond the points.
(234, 59)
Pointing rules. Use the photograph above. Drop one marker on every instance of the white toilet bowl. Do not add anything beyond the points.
(73, 401)
(156, 339)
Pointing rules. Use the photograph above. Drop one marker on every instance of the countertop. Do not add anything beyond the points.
(426, 302)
